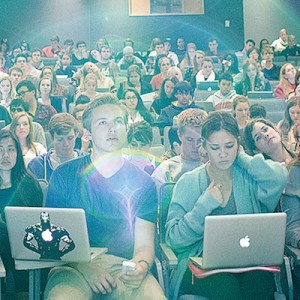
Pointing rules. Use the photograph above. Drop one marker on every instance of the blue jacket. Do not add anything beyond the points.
(257, 186)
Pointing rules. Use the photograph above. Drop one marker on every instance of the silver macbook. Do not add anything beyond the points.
(55, 234)
(233, 241)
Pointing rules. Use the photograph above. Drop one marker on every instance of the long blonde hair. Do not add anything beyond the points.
(287, 86)
(12, 93)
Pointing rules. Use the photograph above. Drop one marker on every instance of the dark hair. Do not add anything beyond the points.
(129, 40)
(257, 111)
(297, 77)
(21, 55)
(62, 124)
(173, 136)
(141, 131)
(234, 68)
(162, 92)
(18, 171)
(36, 50)
(103, 99)
(293, 101)
(250, 40)
(4, 115)
(183, 86)
(249, 128)
(140, 107)
(19, 102)
(251, 50)
(157, 62)
(226, 76)
(217, 121)
(80, 43)
(28, 84)
(54, 81)
(261, 44)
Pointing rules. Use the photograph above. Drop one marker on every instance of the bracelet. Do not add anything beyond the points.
(148, 265)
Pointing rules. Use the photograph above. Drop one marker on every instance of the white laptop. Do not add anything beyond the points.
(49, 234)
(233, 241)
(260, 94)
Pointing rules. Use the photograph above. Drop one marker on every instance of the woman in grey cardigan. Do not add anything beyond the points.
(231, 182)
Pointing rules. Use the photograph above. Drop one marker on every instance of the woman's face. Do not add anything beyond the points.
(266, 139)
(5, 87)
(242, 111)
(165, 65)
(8, 154)
(221, 148)
(131, 100)
(175, 72)
(207, 68)
(191, 53)
(290, 72)
(169, 88)
(294, 112)
(66, 60)
(251, 71)
(199, 58)
(23, 127)
(254, 54)
(45, 86)
(90, 85)
(297, 90)
(134, 78)
(48, 73)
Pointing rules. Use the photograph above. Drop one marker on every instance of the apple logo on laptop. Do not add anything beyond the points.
(245, 242)
(47, 235)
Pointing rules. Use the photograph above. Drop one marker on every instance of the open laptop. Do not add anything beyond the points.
(206, 105)
(208, 85)
(234, 241)
(49, 234)
(260, 94)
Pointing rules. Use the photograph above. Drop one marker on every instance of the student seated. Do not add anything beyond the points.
(63, 129)
(222, 99)
(190, 134)
(184, 95)
(140, 138)
(231, 182)
(270, 70)
(175, 144)
(120, 203)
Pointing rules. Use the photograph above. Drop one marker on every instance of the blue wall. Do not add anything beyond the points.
(37, 20)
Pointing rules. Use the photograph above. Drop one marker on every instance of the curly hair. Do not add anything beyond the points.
(191, 117)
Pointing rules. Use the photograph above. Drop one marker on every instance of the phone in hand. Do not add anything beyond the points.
(128, 266)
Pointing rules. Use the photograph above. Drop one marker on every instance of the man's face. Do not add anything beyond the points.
(8, 154)
(191, 140)
(183, 98)
(283, 35)
(159, 49)
(292, 40)
(167, 46)
(128, 57)
(180, 43)
(66, 60)
(268, 55)
(36, 57)
(105, 53)
(249, 45)
(213, 46)
(25, 94)
(64, 144)
(81, 47)
(15, 77)
(108, 129)
(21, 63)
(225, 87)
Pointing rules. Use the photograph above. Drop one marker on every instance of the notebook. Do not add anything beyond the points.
(49, 234)
(260, 94)
(234, 241)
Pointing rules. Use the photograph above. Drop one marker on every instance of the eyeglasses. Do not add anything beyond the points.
(17, 109)
(22, 93)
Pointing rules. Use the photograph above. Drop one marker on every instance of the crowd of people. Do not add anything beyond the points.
(82, 126)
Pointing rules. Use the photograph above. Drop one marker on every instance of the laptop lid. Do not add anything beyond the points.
(208, 85)
(243, 240)
(40, 233)
(260, 94)
(206, 105)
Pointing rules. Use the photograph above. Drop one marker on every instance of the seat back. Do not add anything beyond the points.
(164, 199)
(44, 186)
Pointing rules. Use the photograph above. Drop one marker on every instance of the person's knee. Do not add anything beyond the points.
(64, 292)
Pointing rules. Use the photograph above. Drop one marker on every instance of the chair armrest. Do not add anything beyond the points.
(293, 254)
(169, 255)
